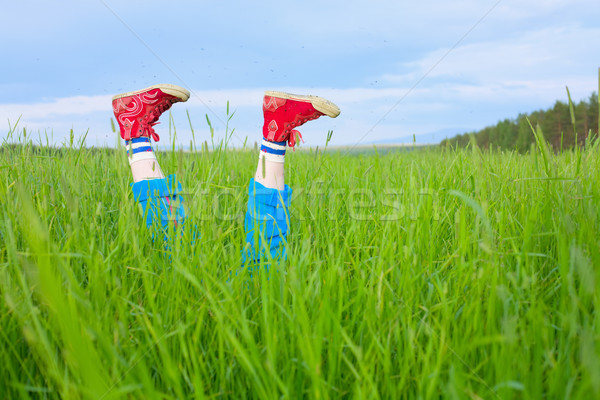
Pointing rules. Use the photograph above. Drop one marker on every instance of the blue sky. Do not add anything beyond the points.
(396, 68)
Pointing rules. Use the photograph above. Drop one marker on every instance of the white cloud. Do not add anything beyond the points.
(543, 53)
(535, 65)
(517, 10)
(76, 105)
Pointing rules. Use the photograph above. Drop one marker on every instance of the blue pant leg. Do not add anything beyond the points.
(266, 222)
(160, 201)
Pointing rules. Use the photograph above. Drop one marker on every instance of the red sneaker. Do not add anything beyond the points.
(285, 111)
(137, 112)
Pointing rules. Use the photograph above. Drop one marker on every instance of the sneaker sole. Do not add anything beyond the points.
(173, 90)
(320, 104)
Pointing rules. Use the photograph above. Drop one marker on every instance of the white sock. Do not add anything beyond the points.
(139, 149)
(272, 151)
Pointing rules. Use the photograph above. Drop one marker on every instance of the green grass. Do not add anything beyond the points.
(422, 274)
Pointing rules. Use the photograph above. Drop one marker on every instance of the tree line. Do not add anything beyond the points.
(555, 123)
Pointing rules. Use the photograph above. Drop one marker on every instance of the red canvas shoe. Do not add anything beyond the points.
(137, 112)
(285, 111)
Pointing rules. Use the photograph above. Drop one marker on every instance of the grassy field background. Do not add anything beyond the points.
(423, 274)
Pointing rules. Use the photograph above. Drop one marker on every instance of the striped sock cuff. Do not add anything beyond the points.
(273, 151)
(139, 149)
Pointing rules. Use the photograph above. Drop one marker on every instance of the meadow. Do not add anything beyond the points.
(433, 273)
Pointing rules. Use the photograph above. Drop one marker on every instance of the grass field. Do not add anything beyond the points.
(423, 274)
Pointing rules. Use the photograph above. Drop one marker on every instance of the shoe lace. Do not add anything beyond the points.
(292, 139)
(148, 125)
(299, 121)
(148, 128)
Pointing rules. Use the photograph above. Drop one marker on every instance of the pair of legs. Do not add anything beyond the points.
(266, 220)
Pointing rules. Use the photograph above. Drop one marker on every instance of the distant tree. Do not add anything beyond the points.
(582, 122)
(555, 123)
(524, 134)
(483, 138)
(507, 134)
(592, 113)
(556, 126)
